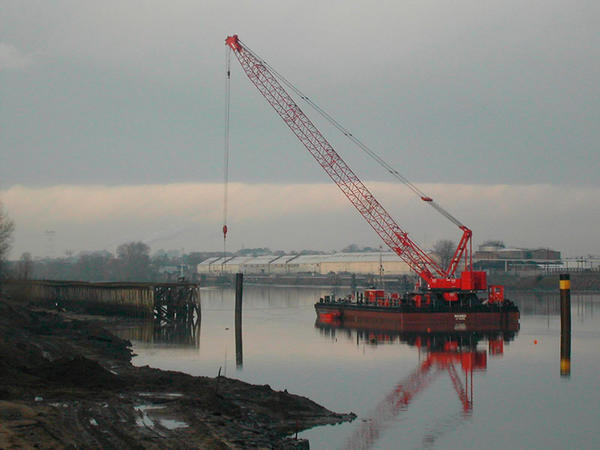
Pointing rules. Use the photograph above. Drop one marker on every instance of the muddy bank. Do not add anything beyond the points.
(68, 383)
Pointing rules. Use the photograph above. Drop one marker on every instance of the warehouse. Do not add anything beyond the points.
(498, 257)
(359, 263)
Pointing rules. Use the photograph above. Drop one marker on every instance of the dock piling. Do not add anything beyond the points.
(239, 288)
(565, 325)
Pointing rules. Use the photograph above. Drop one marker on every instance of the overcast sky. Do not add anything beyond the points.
(102, 99)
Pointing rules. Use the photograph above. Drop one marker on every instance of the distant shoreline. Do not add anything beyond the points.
(581, 282)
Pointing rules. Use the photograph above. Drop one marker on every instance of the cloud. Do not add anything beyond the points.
(295, 216)
(12, 58)
(500, 93)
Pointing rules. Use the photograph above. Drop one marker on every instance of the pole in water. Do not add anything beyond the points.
(565, 325)
(239, 288)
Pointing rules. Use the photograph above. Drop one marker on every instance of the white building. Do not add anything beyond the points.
(365, 263)
(210, 265)
(359, 263)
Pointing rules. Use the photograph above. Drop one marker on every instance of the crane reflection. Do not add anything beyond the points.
(452, 351)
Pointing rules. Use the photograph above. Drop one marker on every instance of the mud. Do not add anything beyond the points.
(69, 383)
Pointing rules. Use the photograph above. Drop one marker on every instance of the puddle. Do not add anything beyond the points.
(161, 394)
(146, 421)
(171, 424)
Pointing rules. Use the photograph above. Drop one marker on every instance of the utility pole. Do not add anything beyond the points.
(381, 268)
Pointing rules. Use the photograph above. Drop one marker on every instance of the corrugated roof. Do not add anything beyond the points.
(305, 259)
(263, 259)
(308, 259)
(285, 259)
(240, 259)
(210, 260)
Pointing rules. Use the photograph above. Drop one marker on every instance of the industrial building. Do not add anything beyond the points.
(502, 258)
(488, 257)
(359, 263)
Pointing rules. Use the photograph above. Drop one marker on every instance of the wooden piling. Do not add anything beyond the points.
(565, 325)
(239, 288)
(138, 299)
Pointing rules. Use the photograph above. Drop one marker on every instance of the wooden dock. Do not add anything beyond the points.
(165, 302)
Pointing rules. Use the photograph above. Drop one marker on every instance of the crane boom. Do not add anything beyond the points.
(363, 200)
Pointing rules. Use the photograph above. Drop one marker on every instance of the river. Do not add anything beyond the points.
(462, 390)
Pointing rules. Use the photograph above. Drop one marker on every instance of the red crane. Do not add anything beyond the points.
(437, 279)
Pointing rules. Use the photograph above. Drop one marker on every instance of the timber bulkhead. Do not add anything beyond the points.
(139, 299)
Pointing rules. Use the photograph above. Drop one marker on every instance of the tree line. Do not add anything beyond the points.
(133, 262)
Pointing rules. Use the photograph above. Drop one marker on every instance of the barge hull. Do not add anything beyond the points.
(398, 319)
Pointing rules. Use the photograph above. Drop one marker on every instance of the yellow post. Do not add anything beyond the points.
(565, 325)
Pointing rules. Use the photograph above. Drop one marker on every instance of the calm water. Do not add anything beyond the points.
(404, 395)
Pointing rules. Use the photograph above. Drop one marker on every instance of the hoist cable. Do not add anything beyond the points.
(226, 144)
(387, 166)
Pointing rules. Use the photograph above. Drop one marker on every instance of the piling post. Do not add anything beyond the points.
(565, 325)
(239, 288)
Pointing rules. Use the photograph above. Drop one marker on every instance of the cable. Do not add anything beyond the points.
(388, 167)
(226, 152)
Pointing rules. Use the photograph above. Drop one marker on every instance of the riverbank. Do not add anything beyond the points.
(547, 282)
(69, 383)
(581, 281)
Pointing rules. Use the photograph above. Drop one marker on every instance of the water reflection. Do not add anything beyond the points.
(182, 330)
(518, 401)
(549, 304)
(239, 346)
(565, 355)
(454, 353)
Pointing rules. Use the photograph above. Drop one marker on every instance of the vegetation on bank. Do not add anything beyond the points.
(132, 261)
(7, 227)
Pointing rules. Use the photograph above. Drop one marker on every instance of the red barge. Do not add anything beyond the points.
(392, 313)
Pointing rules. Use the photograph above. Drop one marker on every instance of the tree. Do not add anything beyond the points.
(195, 258)
(491, 243)
(353, 248)
(24, 267)
(7, 227)
(134, 261)
(444, 249)
(93, 266)
(254, 251)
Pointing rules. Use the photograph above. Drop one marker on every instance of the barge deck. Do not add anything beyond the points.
(410, 318)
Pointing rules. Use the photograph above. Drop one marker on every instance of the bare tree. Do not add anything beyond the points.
(24, 268)
(444, 249)
(7, 227)
(492, 243)
(134, 261)
(93, 266)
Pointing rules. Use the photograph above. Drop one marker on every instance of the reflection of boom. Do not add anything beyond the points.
(442, 280)
(388, 408)
(447, 349)
(400, 397)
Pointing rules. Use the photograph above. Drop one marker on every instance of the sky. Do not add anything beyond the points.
(112, 121)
